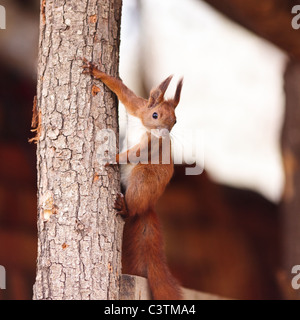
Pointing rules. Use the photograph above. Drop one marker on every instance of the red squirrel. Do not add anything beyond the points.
(142, 252)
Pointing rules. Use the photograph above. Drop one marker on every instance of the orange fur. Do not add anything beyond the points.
(143, 253)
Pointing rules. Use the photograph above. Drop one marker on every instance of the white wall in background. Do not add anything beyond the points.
(232, 88)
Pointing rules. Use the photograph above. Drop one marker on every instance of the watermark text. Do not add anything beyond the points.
(2, 18)
(153, 148)
(296, 278)
(2, 277)
(296, 19)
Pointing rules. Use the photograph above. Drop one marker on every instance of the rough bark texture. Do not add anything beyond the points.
(291, 160)
(79, 235)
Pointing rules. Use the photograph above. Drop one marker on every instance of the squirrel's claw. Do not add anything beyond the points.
(120, 206)
(88, 66)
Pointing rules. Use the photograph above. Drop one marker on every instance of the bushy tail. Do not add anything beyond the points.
(143, 256)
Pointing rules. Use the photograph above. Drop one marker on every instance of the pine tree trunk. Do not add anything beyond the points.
(79, 235)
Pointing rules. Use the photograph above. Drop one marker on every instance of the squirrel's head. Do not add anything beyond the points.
(160, 113)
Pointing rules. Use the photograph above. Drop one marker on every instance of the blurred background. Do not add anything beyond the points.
(230, 231)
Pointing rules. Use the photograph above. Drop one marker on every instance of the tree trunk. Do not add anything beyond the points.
(291, 160)
(79, 235)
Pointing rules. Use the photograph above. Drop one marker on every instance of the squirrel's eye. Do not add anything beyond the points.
(155, 115)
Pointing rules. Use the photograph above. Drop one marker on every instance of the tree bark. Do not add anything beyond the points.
(79, 235)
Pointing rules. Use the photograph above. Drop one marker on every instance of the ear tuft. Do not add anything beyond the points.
(157, 94)
(178, 93)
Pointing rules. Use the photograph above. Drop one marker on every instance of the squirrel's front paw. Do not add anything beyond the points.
(110, 165)
(120, 206)
(88, 67)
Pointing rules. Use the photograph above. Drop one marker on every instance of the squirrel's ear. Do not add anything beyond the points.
(177, 93)
(157, 94)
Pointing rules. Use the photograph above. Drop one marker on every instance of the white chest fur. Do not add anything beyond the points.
(134, 132)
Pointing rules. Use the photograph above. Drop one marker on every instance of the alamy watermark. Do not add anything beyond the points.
(2, 278)
(296, 19)
(295, 280)
(156, 149)
(2, 18)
